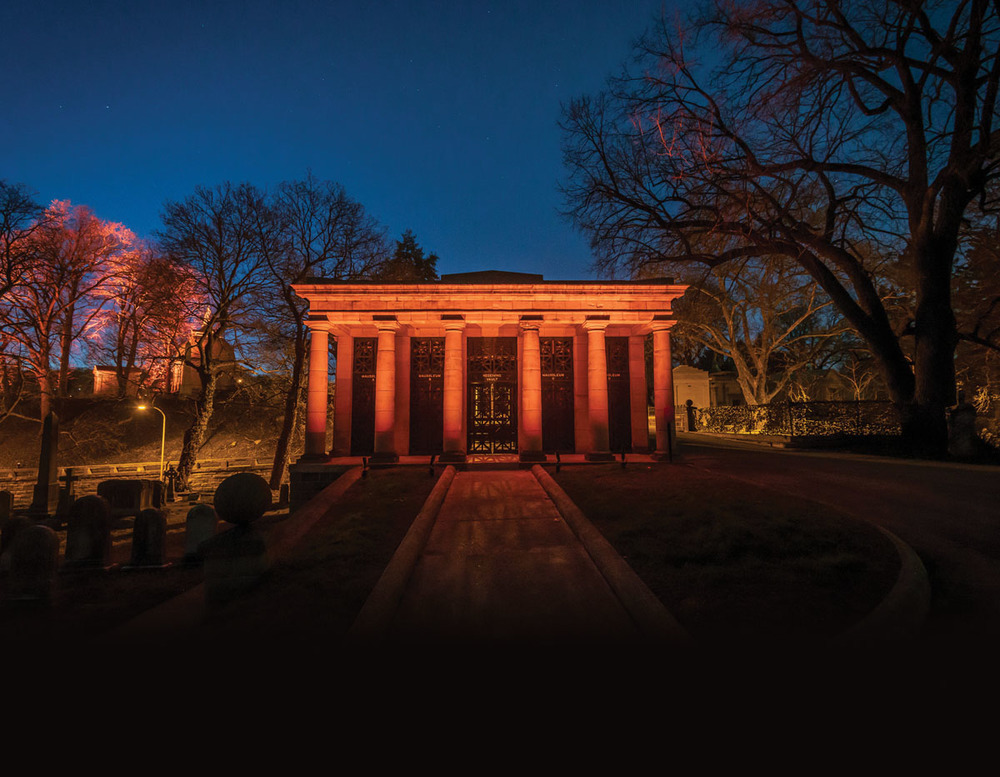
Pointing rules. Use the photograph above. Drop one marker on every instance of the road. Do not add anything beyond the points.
(948, 513)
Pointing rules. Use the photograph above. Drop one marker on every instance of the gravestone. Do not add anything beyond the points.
(67, 494)
(199, 527)
(962, 437)
(6, 506)
(45, 495)
(88, 534)
(14, 526)
(128, 498)
(34, 563)
(235, 560)
(149, 539)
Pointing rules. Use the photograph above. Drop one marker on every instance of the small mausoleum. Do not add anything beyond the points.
(488, 364)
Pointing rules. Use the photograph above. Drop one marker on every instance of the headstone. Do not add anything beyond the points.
(128, 498)
(199, 527)
(6, 507)
(235, 560)
(14, 526)
(962, 437)
(242, 498)
(34, 563)
(45, 496)
(88, 534)
(690, 416)
(67, 494)
(149, 539)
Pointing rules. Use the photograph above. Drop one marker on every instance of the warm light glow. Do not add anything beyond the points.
(140, 407)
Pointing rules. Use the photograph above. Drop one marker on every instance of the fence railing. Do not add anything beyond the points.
(863, 418)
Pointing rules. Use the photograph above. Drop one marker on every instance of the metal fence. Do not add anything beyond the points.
(860, 418)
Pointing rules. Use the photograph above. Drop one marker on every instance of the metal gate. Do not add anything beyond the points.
(492, 395)
(363, 396)
(619, 395)
(557, 395)
(426, 395)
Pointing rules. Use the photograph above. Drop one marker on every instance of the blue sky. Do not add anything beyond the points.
(440, 117)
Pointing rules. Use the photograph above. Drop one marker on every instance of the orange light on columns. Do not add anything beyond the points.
(597, 391)
(663, 389)
(317, 389)
(385, 393)
(531, 393)
(454, 449)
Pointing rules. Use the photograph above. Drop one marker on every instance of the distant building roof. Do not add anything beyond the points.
(492, 276)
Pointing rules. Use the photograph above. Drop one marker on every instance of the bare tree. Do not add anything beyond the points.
(214, 232)
(145, 323)
(310, 228)
(764, 315)
(807, 128)
(71, 257)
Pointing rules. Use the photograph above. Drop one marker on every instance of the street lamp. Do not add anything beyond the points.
(163, 436)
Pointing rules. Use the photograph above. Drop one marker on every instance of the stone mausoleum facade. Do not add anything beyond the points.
(489, 364)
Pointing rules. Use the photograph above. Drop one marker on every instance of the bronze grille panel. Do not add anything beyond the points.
(426, 395)
(558, 434)
(363, 396)
(492, 394)
(619, 395)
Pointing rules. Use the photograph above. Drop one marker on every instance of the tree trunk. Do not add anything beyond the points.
(66, 342)
(194, 436)
(281, 451)
(936, 337)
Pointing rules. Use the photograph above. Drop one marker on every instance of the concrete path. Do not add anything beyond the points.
(492, 560)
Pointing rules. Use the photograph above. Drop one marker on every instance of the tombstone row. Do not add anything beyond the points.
(29, 551)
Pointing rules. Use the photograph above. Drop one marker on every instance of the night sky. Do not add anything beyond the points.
(440, 117)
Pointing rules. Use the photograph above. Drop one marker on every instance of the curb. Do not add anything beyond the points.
(901, 614)
(372, 622)
(653, 619)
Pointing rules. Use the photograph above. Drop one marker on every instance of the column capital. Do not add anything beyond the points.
(530, 326)
(662, 325)
(387, 326)
(453, 325)
(596, 324)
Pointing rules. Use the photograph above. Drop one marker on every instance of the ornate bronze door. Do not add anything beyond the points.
(558, 434)
(363, 397)
(619, 395)
(492, 396)
(426, 395)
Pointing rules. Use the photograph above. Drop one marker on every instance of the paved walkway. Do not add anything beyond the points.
(492, 560)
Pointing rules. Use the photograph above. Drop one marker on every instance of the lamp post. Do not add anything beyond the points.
(163, 436)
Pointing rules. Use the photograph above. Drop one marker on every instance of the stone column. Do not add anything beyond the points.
(317, 387)
(597, 391)
(531, 393)
(454, 391)
(663, 390)
(343, 396)
(385, 394)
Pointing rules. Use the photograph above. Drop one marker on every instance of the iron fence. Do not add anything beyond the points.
(798, 419)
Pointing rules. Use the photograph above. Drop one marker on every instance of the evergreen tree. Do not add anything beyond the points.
(408, 263)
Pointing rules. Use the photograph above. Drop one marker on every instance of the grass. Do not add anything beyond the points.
(735, 562)
(319, 588)
(731, 562)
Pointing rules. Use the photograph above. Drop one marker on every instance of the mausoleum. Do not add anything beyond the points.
(489, 363)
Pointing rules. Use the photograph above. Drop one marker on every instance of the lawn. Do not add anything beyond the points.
(732, 561)
(318, 588)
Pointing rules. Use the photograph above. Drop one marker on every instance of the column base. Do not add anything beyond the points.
(662, 456)
(312, 458)
(383, 459)
(533, 457)
(599, 456)
(452, 457)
